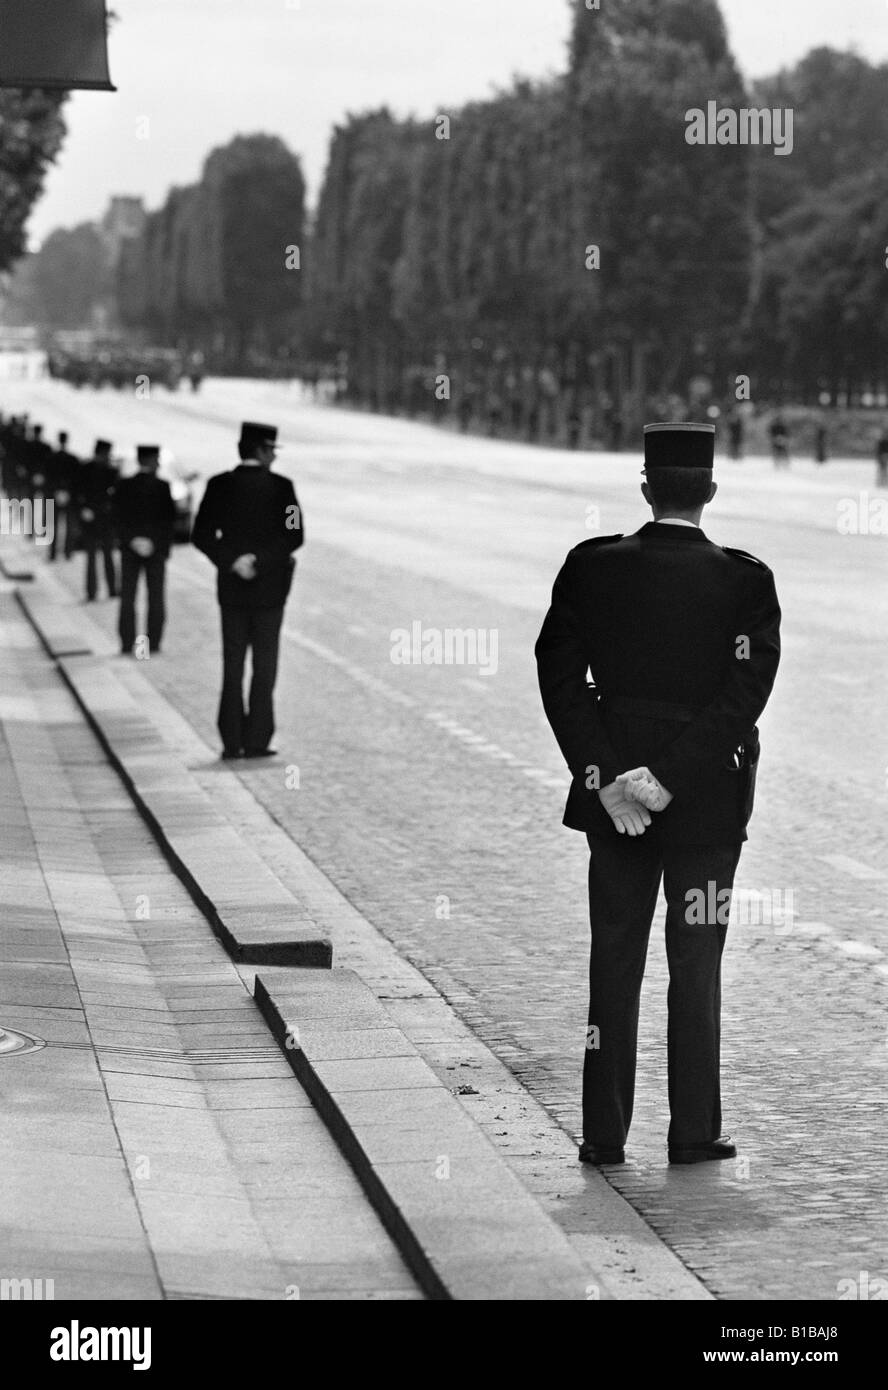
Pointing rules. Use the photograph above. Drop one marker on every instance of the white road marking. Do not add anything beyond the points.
(846, 865)
(859, 949)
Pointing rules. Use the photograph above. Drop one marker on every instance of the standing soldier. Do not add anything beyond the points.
(145, 512)
(63, 470)
(95, 488)
(735, 434)
(779, 441)
(682, 639)
(249, 524)
(39, 459)
(882, 459)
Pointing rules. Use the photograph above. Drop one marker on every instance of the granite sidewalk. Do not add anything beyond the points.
(155, 1143)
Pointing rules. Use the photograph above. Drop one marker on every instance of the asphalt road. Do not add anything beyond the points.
(432, 794)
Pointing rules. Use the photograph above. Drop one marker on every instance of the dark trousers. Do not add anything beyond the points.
(131, 566)
(258, 629)
(62, 515)
(95, 541)
(624, 879)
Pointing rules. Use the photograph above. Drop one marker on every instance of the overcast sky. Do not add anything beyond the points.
(204, 70)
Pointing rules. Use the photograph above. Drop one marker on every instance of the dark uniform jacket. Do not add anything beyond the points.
(143, 506)
(682, 638)
(64, 471)
(96, 481)
(250, 510)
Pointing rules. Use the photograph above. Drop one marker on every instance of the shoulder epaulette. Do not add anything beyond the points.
(598, 540)
(744, 555)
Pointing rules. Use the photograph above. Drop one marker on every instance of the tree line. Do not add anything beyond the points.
(558, 261)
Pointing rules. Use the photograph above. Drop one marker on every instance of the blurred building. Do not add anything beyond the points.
(123, 221)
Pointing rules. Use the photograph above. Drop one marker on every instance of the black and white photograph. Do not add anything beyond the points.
(443, 719)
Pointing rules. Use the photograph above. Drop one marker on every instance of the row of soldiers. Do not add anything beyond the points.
(249, 525)
(96, 511)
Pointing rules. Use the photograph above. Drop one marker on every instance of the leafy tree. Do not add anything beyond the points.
(31, 135)
(67, 281)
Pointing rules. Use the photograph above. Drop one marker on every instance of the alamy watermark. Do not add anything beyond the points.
(22, 517)
(748, 126)
(450, 646)
(741, 907)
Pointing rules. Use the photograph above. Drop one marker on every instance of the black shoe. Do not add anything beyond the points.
(229, 754)
(592, 1153)
(126, 651)
(260, 752)
(703, 1153)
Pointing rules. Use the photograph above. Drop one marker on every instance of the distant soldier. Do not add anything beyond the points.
(735, 435)
(682, 638)
(779, 441)
(96, 484)
(196, 369)
(144, 512)
(250, 524)
(821, 443)
(882, 459)
(63, 472)
(38, 461)
(574, 421)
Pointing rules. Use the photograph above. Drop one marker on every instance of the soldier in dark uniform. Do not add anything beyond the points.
(36, 456)
(249, 524)
(682, 640)
(882, 459)
(144, 512)
(96, 485)
(779, 433)
(63, 474)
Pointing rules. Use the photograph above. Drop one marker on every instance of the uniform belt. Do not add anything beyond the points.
(649, 709)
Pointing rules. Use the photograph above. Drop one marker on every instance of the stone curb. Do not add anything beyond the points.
(249, 909)
(463, 1222)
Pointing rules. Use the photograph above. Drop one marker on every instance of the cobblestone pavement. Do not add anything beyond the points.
(432, 795)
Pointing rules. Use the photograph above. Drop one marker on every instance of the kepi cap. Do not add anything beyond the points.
(148, 453)
(679, 445)
(253, 434)
(103, 446)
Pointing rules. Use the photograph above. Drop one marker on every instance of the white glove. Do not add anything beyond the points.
(628, 817)
(640, 785)
(245, 566)
(142, 546)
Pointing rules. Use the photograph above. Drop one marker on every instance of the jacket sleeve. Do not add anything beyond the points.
(571, 706)
(207, 523)
(709, 741)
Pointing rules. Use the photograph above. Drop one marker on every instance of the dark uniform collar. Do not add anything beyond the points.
(662, 530)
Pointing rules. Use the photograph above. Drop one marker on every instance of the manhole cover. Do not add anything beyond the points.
(12, 1041)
